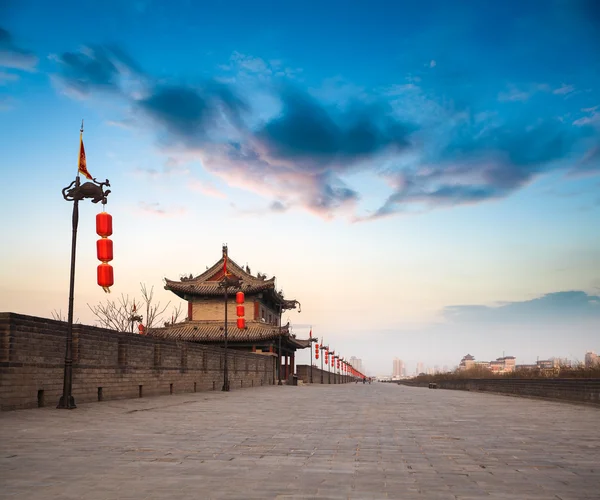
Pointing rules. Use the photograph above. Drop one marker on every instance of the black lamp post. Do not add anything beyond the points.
(311, 357)
(335, 379)
(226, 283)
(279, 348)
(322, 348)
(331, 367)
(76, 192)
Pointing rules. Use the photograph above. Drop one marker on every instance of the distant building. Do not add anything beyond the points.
(564, 362)
(592, 360)
(544, 365)
(356, 363)
(547, 364)
(420, 368)
(467, 362)
(398, 369)
(505, 364)
(526, 367)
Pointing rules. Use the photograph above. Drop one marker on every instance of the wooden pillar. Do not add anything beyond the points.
(293, 364)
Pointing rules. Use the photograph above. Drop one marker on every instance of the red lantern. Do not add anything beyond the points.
(317, 350)
(240, 310)
(104, 249)
(105, 275)
(104, 224)
(141, 329)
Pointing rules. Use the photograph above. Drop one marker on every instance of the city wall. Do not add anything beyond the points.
(572, 389)
(111, 365)
(303, 372)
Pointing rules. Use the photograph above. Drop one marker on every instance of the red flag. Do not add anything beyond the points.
(82, 163)
(310, 334)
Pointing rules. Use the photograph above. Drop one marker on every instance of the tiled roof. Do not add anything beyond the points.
(192, 287)
(213, 331)
(207, 284)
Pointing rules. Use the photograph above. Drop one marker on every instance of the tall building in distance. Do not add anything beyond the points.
(420, 368)
(398, 368)
(356, 363)
(591, 359)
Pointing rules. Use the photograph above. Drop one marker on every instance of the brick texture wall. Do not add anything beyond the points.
(580, 390)
(111, 365)
(303, 372)
(212, 310)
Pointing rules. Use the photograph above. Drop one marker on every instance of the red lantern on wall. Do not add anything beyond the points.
(104, 250)
(240, 310)
(317, 350)
(326, 356)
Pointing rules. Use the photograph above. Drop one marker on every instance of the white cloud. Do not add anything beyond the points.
(514, 94)
(564, 89)
(159, 210)
(207, 188)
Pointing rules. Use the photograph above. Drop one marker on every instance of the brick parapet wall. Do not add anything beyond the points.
(569, 389)
(111, 365)
(303, 372)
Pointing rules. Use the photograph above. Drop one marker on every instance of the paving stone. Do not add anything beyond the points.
(353, 441)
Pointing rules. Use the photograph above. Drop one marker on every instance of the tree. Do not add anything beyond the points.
(58, 316)
(119, 315)
(174, 316)
(122, 314)
(153, 311)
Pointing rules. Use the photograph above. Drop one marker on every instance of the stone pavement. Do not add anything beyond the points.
(343, 441)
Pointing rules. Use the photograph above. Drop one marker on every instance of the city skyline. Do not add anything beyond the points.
(424, 179)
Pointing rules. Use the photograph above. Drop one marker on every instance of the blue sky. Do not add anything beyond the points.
(422, 176)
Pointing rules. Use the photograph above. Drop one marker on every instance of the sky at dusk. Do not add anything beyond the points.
(423, 176)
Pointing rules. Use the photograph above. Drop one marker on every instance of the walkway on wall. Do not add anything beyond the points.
(317, 441)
